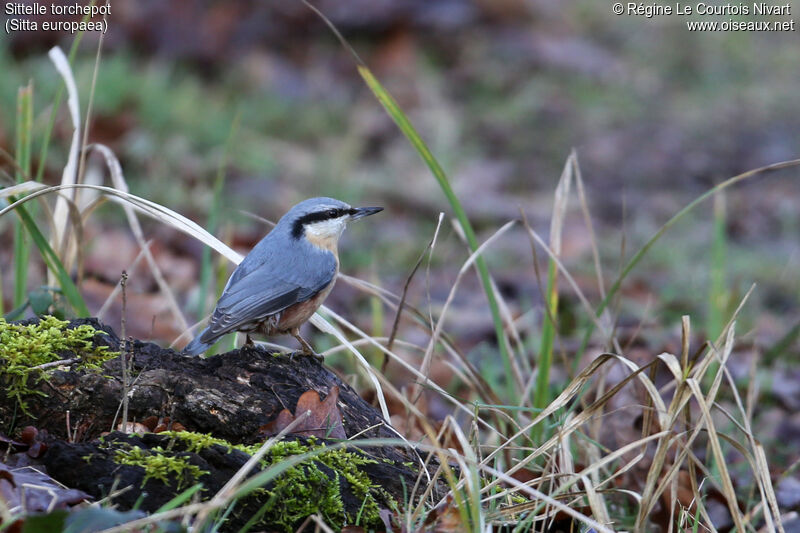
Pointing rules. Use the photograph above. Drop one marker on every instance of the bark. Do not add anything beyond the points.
(233, 396)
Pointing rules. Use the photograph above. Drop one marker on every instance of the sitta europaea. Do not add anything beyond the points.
(286, 277)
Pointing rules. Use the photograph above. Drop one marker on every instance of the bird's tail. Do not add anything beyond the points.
(196, 347)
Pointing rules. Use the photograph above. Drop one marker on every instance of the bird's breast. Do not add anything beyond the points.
(298, 314)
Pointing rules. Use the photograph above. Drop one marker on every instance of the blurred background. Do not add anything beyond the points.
(261, 99)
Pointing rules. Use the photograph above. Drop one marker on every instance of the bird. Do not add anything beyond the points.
(284, 279)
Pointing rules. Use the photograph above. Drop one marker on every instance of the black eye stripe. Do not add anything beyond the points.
(319, 216)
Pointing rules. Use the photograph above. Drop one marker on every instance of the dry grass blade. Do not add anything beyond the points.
(402, 302)
(578, 292)
(118, 180)
(70, 174)
(131, 269)
(504, 477)
(607, 460)
(584, 416)
(152, 209)
(560, 203)
(759, 463)
(660, 479)
(319, 520)
(772, 513)
(637, 257)
(713, 439)
(589, 225)
(87, 121)
(651, 490)
(189, 227)
(424, 380)
(468, 463)
(326, 327)
(425, 366)
(476, 380)
(21, 188)
(596, 502)
(228, 492)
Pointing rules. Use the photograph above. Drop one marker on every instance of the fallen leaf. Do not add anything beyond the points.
(32, 491)
(325, 420)
(445, 519)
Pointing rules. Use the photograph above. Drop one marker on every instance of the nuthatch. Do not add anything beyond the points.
(286, 277)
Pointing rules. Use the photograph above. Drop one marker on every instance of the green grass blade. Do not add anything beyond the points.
(54, 264)
(22, 248)
(181, 498)
(394, 111)
(51, 259)
(542, 393)
(718, 295)
(206, 265)
(550, 323)
(668, 224)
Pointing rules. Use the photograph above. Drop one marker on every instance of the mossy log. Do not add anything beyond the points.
(232, 397)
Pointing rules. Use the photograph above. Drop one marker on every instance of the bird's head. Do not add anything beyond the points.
(322, 220)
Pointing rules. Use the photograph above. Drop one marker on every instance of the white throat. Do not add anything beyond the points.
(325, 233)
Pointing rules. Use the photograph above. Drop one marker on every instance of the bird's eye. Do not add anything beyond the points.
(333, 213)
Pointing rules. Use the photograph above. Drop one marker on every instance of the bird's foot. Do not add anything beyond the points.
(315, 355)
(306, 353)
(307, 349)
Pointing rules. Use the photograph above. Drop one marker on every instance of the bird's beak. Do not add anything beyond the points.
(361, 212)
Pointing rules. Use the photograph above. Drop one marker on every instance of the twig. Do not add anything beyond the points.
(124, 352)
(51, 364)
(402, 304)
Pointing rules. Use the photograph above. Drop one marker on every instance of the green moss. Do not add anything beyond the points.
(24, 347)
(296, 494)
(196, 442)
(304, 489)
(159, 464)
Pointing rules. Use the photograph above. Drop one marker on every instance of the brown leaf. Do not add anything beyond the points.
(449, 521)
(325, 420)
(445, 519)
(152, 422)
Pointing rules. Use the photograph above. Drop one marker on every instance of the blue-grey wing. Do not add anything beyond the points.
(265, 284)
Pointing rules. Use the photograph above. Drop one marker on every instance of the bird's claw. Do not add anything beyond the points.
(311, 353)
(307, 349)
